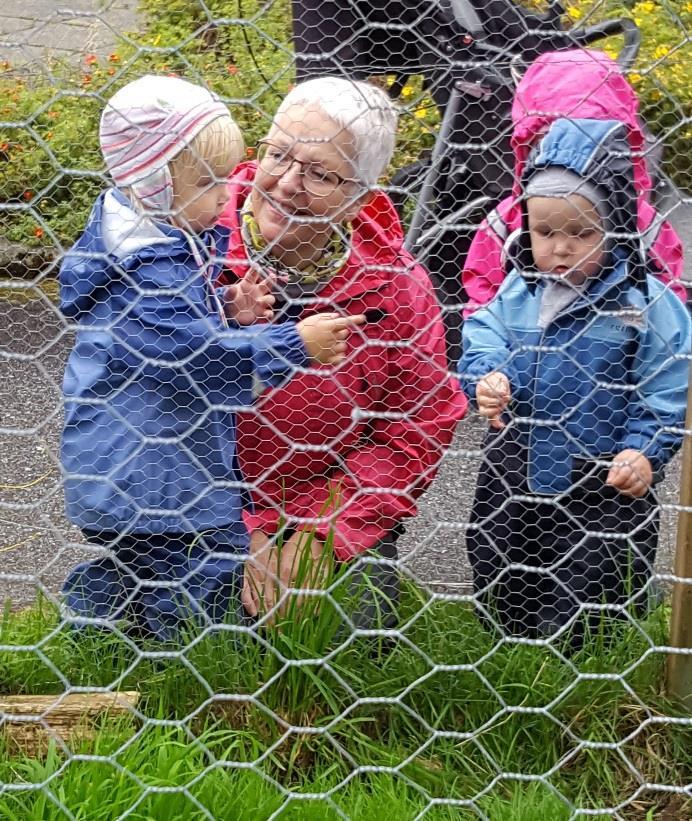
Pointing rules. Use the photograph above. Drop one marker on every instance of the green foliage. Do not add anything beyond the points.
(241, 49)
(661, 76)
(439, 714)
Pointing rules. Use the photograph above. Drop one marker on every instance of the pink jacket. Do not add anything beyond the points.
(572, 83)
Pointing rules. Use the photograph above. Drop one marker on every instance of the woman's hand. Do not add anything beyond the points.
(270, 570)
(250, 299)
(631, 473)
(493, 393)
(324, 336)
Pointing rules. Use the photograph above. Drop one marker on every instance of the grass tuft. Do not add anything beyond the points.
(260, 721)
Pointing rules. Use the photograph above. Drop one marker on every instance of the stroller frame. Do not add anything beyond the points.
(470, 55)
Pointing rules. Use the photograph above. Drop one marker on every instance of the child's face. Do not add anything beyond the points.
(198, 199)
(567, 236)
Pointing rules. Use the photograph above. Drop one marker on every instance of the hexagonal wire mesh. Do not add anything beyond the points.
(442, 611)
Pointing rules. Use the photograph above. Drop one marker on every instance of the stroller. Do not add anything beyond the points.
(470, 55)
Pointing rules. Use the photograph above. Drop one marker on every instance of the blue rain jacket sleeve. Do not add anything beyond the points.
(486, 348)
(165, 327)
(660, 379)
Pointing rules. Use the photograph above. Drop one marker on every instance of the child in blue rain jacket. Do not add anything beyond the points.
(580, 364)
(160, 364)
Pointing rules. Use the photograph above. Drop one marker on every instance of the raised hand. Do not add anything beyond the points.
(631, 473)
(493, 393)
(250, 299)
(324, 336)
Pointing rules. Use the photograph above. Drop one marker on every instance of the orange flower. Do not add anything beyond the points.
(110, 72)
(91, 59)
(38, 232)
(232, 68)
(113, 58)
(49, 135)
(4, 146)
(53, 115)
(28, 196)
(86, 79)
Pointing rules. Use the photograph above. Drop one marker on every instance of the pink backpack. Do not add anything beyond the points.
(572, 83)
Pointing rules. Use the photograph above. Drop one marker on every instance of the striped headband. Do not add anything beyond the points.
(145, 125)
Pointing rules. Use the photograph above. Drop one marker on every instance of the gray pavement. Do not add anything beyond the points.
(32, 32)
(37, 544)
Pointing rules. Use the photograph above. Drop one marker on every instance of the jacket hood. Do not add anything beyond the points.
(597, 151)
(576, 83)
(377, 239)
(115, 236)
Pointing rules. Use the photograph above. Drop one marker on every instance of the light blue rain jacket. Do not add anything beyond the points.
(610, 372)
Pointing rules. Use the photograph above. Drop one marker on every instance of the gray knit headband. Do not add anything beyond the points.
(561, 182)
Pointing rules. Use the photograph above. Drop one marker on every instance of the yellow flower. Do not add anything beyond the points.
(635, 78)
(420, 113)
(574, 13)
(645, 7)
(688, 8)
(660, 52)
(407, 91)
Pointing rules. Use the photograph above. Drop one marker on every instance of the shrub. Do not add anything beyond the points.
(662, 74)
(52, 169)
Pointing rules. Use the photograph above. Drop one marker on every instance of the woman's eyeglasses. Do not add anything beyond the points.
(276, 161)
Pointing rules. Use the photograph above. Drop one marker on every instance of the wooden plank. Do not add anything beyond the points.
(28, 723)
(679, 668)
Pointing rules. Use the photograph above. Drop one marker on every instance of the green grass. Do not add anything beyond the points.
(241, 724)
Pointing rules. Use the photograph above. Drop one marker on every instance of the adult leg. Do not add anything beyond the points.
(373, 586)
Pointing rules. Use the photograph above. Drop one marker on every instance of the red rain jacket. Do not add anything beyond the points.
(353, 450)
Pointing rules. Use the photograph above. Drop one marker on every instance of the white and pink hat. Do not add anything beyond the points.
(145, 125)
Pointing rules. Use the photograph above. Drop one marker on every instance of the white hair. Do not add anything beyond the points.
(363, 110)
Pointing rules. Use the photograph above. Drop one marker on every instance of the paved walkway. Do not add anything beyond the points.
(33, 30)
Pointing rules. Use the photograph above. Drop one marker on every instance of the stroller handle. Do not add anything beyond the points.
(609, 28)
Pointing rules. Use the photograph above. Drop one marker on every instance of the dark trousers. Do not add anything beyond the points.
(374, 586)
(156, 584)
(538, 559)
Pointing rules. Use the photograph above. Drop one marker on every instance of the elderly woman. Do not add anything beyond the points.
(342, 458)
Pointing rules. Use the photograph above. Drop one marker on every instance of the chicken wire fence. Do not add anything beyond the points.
(445, 613)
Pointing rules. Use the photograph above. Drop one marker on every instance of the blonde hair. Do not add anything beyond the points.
(215, 151)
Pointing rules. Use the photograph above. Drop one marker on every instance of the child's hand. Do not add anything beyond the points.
(250, 299)
(324, 336)
(631, 473)
(493, 393)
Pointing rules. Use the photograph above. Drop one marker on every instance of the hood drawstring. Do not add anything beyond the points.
(206, 268)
